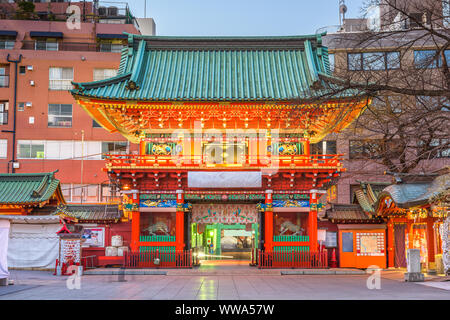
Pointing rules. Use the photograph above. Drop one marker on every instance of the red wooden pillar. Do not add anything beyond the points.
(390, 243)
(135, 222)
(312, 221)
(430, 246)
(142, 147)
(409, 230)
(307, 148)
(179, 222)
(268, 222)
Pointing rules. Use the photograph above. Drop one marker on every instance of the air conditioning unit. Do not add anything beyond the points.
(29, 104)
(16, 165)
(112, 11)
(102, 11)
(30, 68)
(31, 82)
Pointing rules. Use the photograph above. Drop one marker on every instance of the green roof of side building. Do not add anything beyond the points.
(28, 188)
(219, 69)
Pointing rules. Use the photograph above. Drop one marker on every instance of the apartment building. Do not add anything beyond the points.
(386, 57)
(42, 129)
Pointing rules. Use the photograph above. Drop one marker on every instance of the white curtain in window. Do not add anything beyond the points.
(52, 150)
(78, 150)
(3, 148)
(55, 73)
(94, 150)
(66, 150)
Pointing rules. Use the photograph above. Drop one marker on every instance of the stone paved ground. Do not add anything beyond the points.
(43, 285)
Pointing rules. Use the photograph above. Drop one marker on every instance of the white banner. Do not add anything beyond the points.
(33, 246)
(224, 179)
(4, 235)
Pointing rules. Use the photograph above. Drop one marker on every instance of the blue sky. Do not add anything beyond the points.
(242, 17)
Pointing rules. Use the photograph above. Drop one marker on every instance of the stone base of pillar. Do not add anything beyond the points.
(432, 272)
(414, 277)
(3, 282)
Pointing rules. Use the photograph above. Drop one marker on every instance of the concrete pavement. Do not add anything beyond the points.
(45, 286)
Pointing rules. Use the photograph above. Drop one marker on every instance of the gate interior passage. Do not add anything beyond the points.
(220, 241)
(224, 231)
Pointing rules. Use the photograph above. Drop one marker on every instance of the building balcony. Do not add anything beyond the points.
(204, 162)
(73, 46)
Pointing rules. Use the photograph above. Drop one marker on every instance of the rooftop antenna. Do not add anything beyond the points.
(145, 8)
(342, 11)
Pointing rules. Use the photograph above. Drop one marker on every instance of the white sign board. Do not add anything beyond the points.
(223, 179)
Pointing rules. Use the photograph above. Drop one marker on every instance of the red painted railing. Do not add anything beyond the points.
(202, 161)
(267, 260)
(177, 259)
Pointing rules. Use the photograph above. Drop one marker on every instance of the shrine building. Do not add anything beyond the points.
(224, 127)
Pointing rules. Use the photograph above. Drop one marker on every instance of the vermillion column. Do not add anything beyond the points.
(135, 220)
(312, 221)
(268, 222)
(430, 246)
(390, 243)
(409, 230)
(179, 222)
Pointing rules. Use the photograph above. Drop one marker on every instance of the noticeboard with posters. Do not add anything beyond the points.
(93, 237)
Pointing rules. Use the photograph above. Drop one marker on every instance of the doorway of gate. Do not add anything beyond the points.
(224, 243)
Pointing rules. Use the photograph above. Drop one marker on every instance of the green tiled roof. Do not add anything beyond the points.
(28, 188)
(218, 69)
(91, 212)
(407, 195)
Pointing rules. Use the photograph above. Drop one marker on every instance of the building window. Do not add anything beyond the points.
(31, 149)
(22, 69)
(443, 148)
(102, 74)
(21, 106)
(6, 44)
(3, 148)
(60, 78)
(4, 106)
(114, 147)
(46, 44)
(433, 103)
(4, 78)
(373, 61)
(331, 61)
(324, 147)
(375, 149)
(60, 115)
(395, 103)
(354, 61)
(429, 59)
(111, 46)
(360, 149)
(95, 124)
